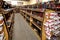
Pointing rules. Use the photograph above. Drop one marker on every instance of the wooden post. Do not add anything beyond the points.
(1, 3)
(43, 29)
(4, 30)
(31, 19)
(25, 15)
(5, 33)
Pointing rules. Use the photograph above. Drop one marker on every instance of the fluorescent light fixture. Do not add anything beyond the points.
(45, 0)
(14, 2)
(6, 0)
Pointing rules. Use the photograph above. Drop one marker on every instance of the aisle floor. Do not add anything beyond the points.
(21, 29)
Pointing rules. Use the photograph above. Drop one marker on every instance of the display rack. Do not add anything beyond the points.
(9, 21)
(37, 17)
(4, 32)
(35, 20)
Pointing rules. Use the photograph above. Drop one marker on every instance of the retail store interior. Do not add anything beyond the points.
(29, 19)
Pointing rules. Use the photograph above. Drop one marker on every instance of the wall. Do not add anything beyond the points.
(59, 1)
(24, 2)
(21, 3)
(32, 1)
(17, 3)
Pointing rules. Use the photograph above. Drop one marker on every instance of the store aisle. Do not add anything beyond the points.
(21, 29)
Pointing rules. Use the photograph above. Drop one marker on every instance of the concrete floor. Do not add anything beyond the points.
(21, 29)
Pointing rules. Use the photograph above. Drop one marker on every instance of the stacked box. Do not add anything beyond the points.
(51, 24)
(1, 27)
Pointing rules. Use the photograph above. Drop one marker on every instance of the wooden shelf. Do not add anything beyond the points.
(9, 14)
(7, 10)
(22, 14)
(10, 20)
(37, 17)
(37, 10)
(34, 16)
(36, 25)
(34, 22)
(27, 18)
(26, 12)
(39, 38)
(5, 32)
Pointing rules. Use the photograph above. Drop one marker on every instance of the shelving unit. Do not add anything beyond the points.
(3, 28)
(4, 32)
(37, 17)
(9, 20)
(7, 28)
(8, 24)
(34, 19)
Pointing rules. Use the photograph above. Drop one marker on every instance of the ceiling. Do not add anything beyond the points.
(17, 0)
(24, 0)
